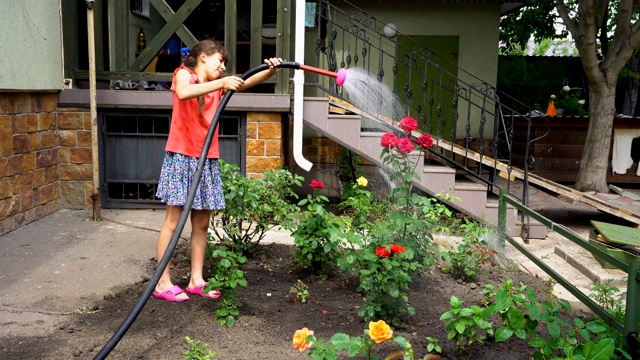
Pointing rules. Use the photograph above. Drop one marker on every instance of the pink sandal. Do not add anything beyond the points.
(171, 294)
(198, 291)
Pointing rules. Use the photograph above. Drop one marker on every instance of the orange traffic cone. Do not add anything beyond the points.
(551, 110)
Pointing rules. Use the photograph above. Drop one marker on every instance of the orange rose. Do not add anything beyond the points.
(379, 331)
(299, 339)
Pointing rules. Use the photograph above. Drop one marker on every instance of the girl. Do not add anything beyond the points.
(197, 89)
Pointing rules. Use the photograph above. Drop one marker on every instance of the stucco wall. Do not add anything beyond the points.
(30, 35)
(477, 26)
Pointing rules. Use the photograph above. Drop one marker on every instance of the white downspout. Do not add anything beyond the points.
(298, 88)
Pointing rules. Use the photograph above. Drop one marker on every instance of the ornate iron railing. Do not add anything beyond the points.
(471, 126)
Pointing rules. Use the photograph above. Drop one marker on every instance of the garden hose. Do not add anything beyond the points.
(144, 297)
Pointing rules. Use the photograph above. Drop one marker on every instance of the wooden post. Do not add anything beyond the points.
(95, 196)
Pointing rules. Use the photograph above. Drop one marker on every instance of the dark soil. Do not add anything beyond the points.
(268, 319)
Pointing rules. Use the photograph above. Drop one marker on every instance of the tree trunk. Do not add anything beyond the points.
(594, 163)
(631, 94)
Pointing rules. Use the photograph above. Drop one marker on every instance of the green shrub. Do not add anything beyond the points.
(253, 206)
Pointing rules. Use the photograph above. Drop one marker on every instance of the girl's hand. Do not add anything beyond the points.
(273, 62)
(231, 83)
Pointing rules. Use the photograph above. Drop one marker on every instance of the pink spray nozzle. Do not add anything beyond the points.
(342, 76)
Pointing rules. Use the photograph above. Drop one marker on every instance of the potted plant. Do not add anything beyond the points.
(567, 103)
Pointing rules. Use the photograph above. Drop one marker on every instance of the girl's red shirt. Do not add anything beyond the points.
(189, 128)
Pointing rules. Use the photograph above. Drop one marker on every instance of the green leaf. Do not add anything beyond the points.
(601, 351)
(340, 340)
(516, 318)
(503, 334)
(554, 329)
(355, 346)
(596, 327)
(538, 342)
(394, 292)
(459, 327)
(230, 321)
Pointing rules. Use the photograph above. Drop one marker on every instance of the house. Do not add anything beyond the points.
(55, 152)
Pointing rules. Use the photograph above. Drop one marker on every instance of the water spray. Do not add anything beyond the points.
(340, 77)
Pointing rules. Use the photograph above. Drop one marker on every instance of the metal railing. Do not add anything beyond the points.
(629, 328)
(463, 113)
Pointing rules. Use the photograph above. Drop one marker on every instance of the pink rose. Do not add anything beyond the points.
(389, 141)
(405, 146)
(408, 124)
(425, 141)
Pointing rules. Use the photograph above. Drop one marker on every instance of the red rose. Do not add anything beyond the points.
(396, 249)
(425, 141)
(316, 184)
(383, 252)
(408, 124)
(405, 146)
(389, 141)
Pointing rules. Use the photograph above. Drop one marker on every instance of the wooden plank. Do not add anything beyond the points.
(514, 171)
(618, 234)
(230, 35)
(255, 51)
(163, 35)
(124, 75)
(284, 40)
(167, 13)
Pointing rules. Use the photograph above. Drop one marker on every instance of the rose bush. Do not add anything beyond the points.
(317, 234)
(378, 332)
(399, 245)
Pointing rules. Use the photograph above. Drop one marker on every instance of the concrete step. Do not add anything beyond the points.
(438, 178)
(569, 260)
(471, 196)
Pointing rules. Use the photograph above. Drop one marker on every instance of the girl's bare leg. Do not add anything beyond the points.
(170, 222)
(199, 228)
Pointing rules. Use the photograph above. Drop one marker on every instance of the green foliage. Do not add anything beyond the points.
(225, 276)
(300, 291)
(466, 260)
(253, 206)
(517, 27)
(348, 162)
(521, 314)
(570, 101)
(433, 346)
(463, 324)
(198, 351)
(358, 204)
(317, 236)
(612, 300)
(354, 346)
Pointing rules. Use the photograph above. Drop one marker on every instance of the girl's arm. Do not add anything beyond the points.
(185, 90)
(263, 75)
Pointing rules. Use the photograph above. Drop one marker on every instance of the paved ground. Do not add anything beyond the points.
(65, 262)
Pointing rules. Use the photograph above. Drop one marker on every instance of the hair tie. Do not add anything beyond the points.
(184, 51)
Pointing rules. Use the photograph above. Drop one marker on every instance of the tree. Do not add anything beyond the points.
(602, 76)
(603, 58)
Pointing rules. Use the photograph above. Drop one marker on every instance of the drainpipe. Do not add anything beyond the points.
(95, 197)
(298, 89)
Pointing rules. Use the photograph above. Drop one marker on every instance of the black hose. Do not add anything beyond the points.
(137, 307)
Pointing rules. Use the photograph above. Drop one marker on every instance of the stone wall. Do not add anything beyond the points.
(76, 162)
(29, 158)
(264, 142)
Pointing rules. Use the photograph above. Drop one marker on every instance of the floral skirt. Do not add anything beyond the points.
(175, 180)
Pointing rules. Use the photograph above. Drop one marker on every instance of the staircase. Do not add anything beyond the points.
(469, 196)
